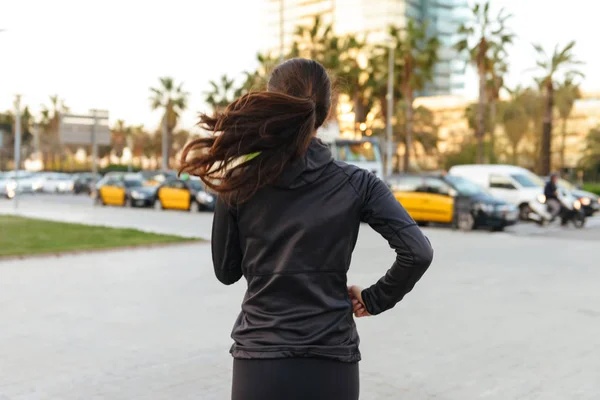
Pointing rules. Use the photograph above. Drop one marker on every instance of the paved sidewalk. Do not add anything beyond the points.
(497, 317)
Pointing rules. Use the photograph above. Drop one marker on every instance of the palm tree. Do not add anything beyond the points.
(355, 77)
(221, 93)
(50, 125)
(173, 100)
(515, 121)
(559, 61)
(497, 69)
(318, 42)
(424, 131)
(418, 52)
(481, 38)
(257, 80)
(591, 158)
(566, 94)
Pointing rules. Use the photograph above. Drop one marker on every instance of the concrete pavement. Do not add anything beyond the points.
(499, 316)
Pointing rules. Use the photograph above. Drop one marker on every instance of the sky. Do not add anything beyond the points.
(106, 54)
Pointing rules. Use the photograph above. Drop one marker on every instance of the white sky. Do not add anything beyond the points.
(106, 54)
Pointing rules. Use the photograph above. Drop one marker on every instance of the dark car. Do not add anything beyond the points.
(589, 201)
(83, 183)
(474, 208)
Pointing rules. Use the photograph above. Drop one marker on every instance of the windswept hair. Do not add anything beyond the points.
(260, 133)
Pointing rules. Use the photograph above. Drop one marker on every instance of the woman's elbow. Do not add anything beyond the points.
(228, 277)
(424, 255)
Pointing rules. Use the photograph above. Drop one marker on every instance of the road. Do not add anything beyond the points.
(81, 209)
(513, 315)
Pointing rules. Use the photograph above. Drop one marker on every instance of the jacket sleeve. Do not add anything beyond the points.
(414, 253)
(226, 248)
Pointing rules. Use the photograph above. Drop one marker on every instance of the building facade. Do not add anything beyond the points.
(372, 19)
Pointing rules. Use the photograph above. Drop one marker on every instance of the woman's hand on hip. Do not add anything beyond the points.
(358, 307)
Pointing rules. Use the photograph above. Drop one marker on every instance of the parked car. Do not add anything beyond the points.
(452, 200)
(38, 180)
(16, 182)
(58, 183)
(182, 194)
(514, 185)
(590, 202)
(83, 183)
(127, 191)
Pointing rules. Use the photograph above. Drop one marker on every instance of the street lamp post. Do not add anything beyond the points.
(165, 141)
(17, 155)
(390, 110)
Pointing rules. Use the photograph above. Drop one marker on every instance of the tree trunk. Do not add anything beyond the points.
(563, 144)
(480, 130)
(545, 166)
(515, 154)
(493, 108)
(408, 98)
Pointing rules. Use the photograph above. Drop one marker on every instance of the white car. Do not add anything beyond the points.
(14, 182)
(514, 185)
(58, 183)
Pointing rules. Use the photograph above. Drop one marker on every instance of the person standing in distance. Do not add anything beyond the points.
(287, 219)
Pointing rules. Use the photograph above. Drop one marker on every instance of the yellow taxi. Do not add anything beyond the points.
(184, 194)
(451, 200)
(426, 199)
(123, 190)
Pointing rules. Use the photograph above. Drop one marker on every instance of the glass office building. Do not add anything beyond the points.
(372, 18)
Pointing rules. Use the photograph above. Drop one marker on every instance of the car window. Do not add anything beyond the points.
(437, 186)
(528, 180)
(132, 183)
(501, 182)
(405, 183)
(176, 184)
(463, 186)
(196, 184)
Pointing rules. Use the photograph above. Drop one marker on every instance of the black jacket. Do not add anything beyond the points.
(550, 190)
(293, 242)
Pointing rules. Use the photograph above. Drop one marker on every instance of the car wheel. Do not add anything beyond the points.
(579, 221)
(466, 222)
(524, 211)
(194, 207)
(98, 201)
(497, 229)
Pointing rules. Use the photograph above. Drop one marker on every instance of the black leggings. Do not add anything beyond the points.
(294, 379)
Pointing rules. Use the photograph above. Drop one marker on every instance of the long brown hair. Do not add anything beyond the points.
(277, 124)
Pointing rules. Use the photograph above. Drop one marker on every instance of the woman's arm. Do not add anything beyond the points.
(226, 250)
(414, 253)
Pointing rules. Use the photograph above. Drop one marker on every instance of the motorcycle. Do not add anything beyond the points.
(570, 209)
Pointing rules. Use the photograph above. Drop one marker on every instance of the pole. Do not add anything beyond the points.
(281, 31)
(390, 111)
(17, 155)
(165, 142)
(94, 153)
(130, 145)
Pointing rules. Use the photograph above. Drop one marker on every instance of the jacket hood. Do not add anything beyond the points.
(308, 168)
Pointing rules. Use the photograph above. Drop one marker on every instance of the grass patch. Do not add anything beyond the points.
(592, 187)
(27, 236)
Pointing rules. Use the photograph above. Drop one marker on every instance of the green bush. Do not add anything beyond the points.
(118, 168)
(592, 187)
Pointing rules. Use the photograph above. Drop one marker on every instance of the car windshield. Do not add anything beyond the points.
(133, 183)
(463, 186)
(528, 180)
(357, 151)
(566, 184)
(196, 184)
